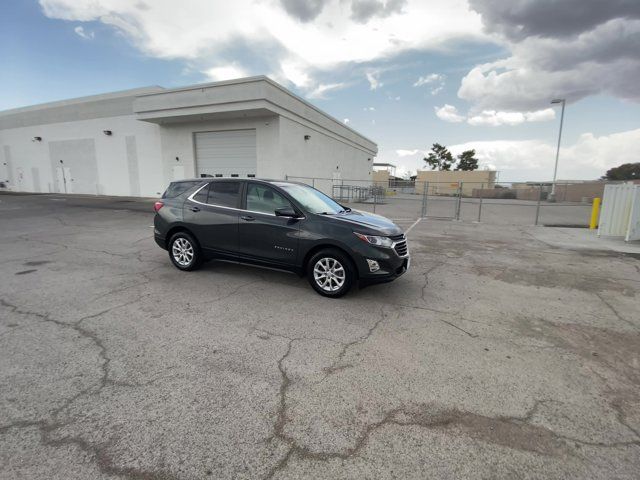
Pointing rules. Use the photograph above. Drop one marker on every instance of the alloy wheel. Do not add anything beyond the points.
(329, 274)
(182, 252)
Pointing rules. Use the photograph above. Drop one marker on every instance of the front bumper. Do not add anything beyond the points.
(392, 265)
(386, 275)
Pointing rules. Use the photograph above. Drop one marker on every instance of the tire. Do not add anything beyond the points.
(184, 252)
(331, 273)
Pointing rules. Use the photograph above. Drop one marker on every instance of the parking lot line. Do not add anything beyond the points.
(406, 232)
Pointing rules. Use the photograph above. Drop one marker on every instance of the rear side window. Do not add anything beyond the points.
(224, 194)
(201, 196)
(178, 188)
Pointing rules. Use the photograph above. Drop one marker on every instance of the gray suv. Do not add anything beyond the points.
(278, 224)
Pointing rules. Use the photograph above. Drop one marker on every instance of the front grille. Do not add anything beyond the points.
(401, 248)
(395, 238)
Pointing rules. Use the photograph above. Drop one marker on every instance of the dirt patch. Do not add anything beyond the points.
(619, 352)
(536, 277)
(512, 432)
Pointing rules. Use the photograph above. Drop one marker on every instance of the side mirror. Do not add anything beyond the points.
(286, 212)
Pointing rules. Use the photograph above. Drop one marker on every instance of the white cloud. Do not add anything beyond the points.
(493, 118)
(435, 80)
(541, 115)
(428, 79)
(374, 83)
(589, 158)
(346, 121)
(369, 109)
(320, 90)
(406, 153)
(297, 40)
(449, 113)
(294, 73)
(496, 118)
(226, 72)
(81, 32)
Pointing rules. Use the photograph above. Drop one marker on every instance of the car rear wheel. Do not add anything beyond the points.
(331, 273)
(184, 252)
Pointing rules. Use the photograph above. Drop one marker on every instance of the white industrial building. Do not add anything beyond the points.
(133, 143)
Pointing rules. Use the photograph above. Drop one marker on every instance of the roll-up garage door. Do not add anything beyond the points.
(228, 153)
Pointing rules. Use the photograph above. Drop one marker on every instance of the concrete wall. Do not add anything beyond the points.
(381, 177)
(322, 156)
(125, 163)
(577, 192)
(139, 158)
(446, 183)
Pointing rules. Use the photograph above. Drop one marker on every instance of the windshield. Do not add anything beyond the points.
(312, 200)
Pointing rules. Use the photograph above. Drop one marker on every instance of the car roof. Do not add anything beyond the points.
(227, 179)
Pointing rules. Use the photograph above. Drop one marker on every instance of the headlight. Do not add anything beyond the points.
(374, 240)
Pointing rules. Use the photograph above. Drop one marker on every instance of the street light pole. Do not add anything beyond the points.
(555, 168)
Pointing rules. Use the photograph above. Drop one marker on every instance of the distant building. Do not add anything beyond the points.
(385, 167)
(447, 182)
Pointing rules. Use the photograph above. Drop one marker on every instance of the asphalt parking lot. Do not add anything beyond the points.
(498, 355)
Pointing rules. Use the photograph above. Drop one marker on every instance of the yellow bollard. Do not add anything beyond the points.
(595, 213)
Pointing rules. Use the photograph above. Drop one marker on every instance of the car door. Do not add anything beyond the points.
(263, 235)
(212, 214)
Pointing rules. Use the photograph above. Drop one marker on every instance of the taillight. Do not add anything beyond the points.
(157, 206)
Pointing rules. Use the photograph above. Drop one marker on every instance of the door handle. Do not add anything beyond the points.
(194, 209)
(248, 218)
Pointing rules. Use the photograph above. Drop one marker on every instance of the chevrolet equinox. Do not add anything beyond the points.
(278, 224)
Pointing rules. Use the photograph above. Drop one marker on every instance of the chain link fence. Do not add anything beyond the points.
(515, 203)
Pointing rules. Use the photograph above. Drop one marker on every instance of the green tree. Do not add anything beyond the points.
(467, 161)
(439, 158)
(626, 171)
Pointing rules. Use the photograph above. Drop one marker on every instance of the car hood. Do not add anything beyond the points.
(369, 223)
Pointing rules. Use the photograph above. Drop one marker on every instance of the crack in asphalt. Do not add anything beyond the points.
(335, 367)
(433, 310)
(426, 278)
(615, 312)
(85, 333)
(98, 453)
(510, 431)
(516, 432)
(622, 419)
(101, 458)
(104, 462)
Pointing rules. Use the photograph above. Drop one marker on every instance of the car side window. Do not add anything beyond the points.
(178, 188)
(261, 198)
(224, 194)
(201, 196)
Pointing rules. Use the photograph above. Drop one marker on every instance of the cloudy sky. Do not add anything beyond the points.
(406, 73)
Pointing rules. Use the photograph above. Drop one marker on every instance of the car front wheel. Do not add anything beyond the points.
(184, 251)
(331, 273)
